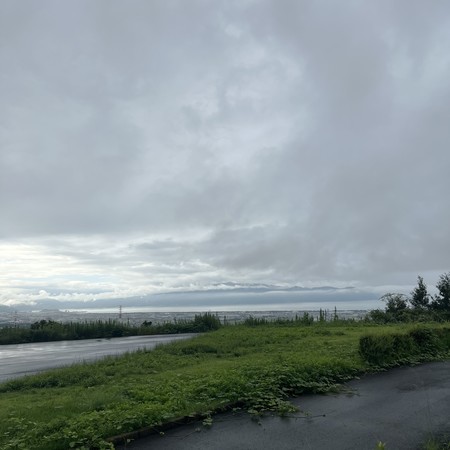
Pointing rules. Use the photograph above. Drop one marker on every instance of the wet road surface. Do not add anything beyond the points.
(24, 359)
(401, 408)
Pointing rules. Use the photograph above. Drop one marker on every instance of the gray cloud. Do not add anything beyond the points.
(250, 141)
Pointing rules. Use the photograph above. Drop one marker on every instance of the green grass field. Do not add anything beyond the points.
(256, 367)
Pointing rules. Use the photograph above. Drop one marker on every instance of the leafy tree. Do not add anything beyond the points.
(441, 301)
(419, 295)
(396, 305)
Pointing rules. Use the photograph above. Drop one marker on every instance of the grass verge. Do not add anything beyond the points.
(258, 367)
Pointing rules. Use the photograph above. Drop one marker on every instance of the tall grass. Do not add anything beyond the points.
(45, 331)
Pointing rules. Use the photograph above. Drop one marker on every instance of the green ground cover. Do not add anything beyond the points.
(256, 367)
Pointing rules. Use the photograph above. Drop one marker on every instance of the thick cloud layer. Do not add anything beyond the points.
(147, 146)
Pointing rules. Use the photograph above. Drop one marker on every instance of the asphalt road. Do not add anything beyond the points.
(401, 408)
(24, 359)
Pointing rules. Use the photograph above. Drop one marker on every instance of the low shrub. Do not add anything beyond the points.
(391, 348)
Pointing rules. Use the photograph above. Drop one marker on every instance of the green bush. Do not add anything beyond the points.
(427, 340)
(391, 348)
(385, 348)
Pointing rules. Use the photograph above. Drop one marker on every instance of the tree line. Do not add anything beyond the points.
(420, 305)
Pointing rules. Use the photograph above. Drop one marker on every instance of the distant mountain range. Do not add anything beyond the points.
(231, 288)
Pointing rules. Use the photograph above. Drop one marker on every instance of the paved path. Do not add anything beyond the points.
(401, 407)
(24, 359)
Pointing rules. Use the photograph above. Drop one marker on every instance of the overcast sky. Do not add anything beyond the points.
(150, 146)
